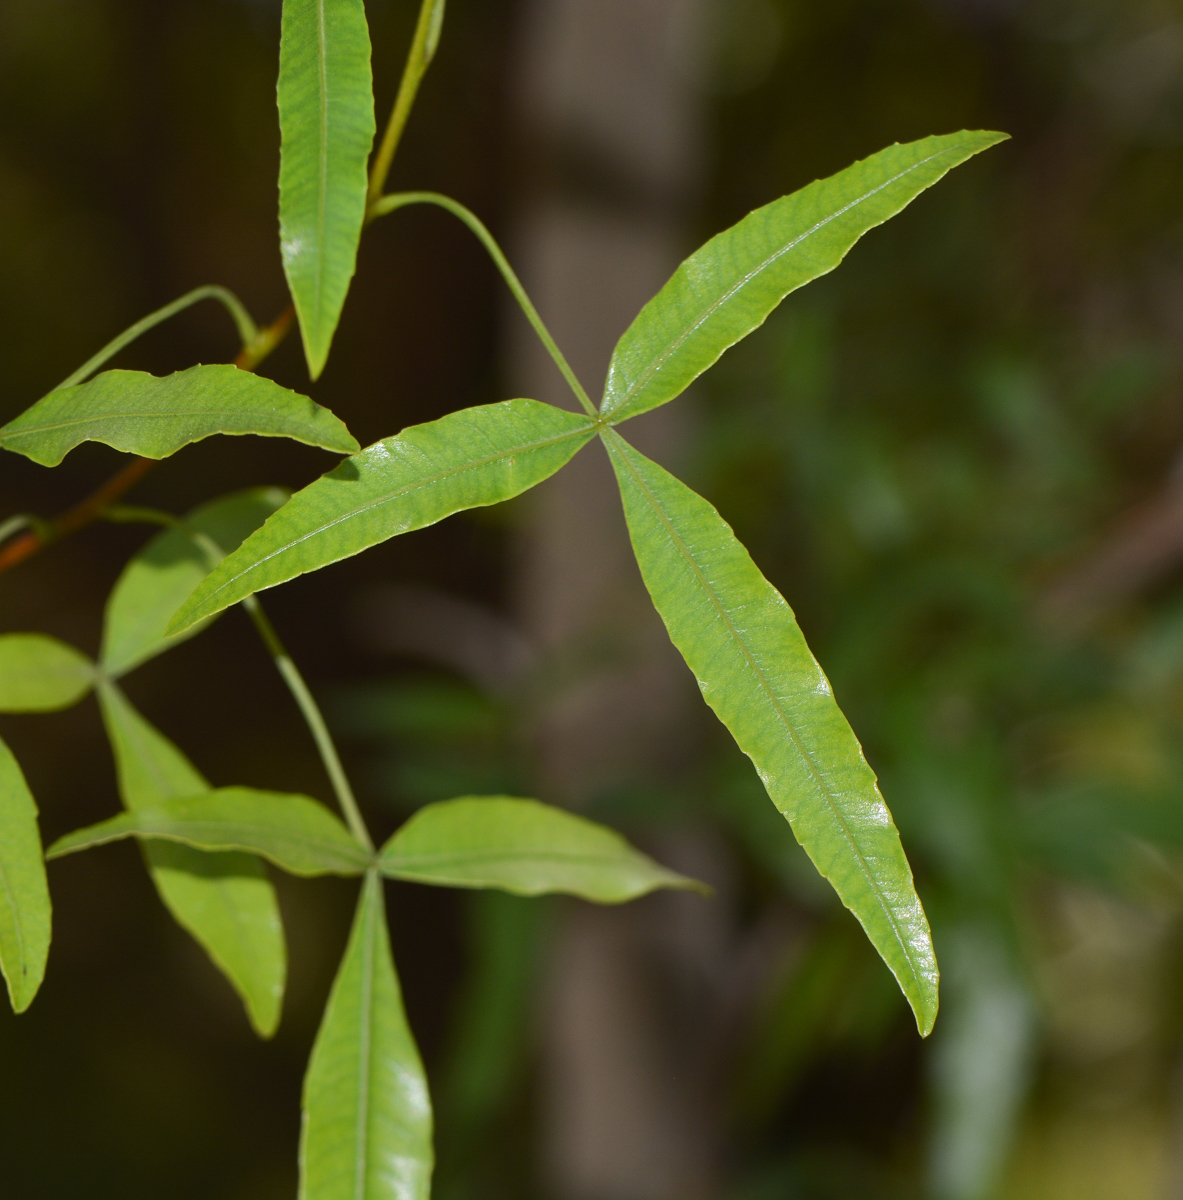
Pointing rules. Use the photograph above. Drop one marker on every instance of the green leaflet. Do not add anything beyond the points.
(728, 287)
(740, 639)
(475, 457)
(41, 674)
(524, 847)
(25, 914)
(224, 900)
(367, 1112)
(326, 121)
(167, 569)
(294, 832)
(153, 417)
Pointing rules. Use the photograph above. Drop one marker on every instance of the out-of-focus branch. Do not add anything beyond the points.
(1141, 546)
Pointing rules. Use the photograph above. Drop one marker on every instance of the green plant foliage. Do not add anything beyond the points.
(155, 417)
(224, 900)
(467, 459)
(326, 120)
(729, 286)
(41, 674)
(524, 847)
(25, 914)
(168, 568)
(739, 637)
(367, 1113)
(294, 832)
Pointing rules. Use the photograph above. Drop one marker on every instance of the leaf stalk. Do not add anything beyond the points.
(397, 200)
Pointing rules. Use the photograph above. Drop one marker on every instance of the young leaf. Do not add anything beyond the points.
(740, 639)
(524, 847)
(41, 674)
(475, 457)
(367, 1112)
(294, 832)
(24, 895)
(167, 569)
(142, 414)
(326, 121)
(225, 901)
(727, 288)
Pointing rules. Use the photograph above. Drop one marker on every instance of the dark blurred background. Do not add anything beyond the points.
(958, 457)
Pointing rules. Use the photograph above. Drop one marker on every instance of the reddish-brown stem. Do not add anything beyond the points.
(33, 541)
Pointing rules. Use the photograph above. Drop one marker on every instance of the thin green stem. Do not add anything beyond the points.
(397, 200)
(314, 719)
(247, 330)
(305, 701)
(423, 47)
(14, 525)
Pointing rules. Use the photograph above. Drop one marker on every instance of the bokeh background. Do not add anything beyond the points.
(958, 457)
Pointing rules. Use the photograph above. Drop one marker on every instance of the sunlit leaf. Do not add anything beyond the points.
(294, 832)
(367, 1112)
(475, 457)
(740, 639)
(524, 847)
(167, 569)
(40, 674)
(326, 120)
(224, 900)
(24, 895)
(154, 417)
(728, 287)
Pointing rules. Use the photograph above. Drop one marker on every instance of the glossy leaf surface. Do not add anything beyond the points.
(167, 569)
(294, 832)
(224, 900)
(155, 417)
(326, 120)
(41, 674)
(25, 916)
(367, 1112)
(742, 642)
(728, 287)
(464, 460)
(524, 847)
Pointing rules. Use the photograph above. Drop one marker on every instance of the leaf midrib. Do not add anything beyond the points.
(754, 666)
(99, 418)
(656, 364)
(397, 494)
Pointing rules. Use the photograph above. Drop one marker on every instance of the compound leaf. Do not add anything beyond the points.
(728, 287)
(326, 121)
(25, 914)
(367, 1112)
(524, 847)
(475, 457)
(155, 417)
(742, 643)
(40, 674)
(225, 901)
(294, 832)
(168, 568)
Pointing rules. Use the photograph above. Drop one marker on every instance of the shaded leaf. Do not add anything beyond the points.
(41, 674)
(728, 287)
(167, 569)
(326, 121)
(25, 914)
(524, 847)
(224, 900)
(367, 1112)
(294, 832)
(464, 460)
(154, 417)
(740, 639)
